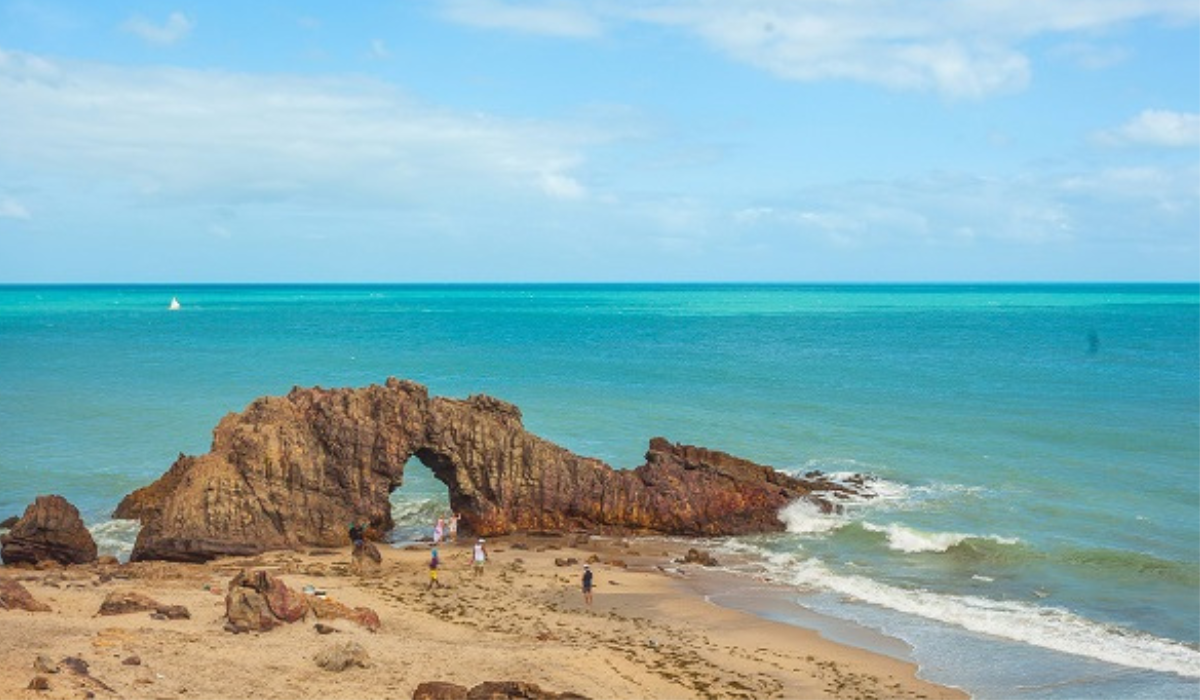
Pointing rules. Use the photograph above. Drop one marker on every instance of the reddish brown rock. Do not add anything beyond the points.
(440, 690)
(258, 601)
(326, 609)
(14, 596)
(126, 602)
(294, 471)
(50, 530)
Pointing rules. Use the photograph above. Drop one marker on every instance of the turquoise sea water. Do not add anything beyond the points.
(1037, 447)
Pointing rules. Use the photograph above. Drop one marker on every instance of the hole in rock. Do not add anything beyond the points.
(417, 504)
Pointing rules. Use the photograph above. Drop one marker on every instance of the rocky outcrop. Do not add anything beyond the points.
(50, 530)
(295, 470)
(258, 601)
(14, 596)
(126, 602)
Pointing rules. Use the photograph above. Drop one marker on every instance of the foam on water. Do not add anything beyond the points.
(1046, 627)
(911, 540)
(804, 518)
(115, 537)
(415, 516)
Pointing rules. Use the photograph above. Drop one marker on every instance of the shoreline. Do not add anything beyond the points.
(650, 633)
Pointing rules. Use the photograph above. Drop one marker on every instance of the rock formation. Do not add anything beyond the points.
(14, 596)
(258, 602)
(294, 471)
(126, 602)
(51, 529)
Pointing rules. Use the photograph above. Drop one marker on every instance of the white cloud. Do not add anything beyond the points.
(562, 186)
(379, 49)
(176, 27)
(965, 48)
(563, 19)
(186, 133)
(12, 209)
(941, 211)
(1157, 127)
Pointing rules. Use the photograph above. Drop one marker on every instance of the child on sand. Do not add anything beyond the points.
(480, 556)
(587, 584)
(433, 567)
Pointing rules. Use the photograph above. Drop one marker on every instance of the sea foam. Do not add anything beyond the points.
(115, 537)
(911, 540)
(804, 518)
(1042, 626)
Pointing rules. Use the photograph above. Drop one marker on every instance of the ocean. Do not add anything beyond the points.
(1035, 449)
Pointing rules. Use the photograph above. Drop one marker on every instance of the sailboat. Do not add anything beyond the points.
(174, 304)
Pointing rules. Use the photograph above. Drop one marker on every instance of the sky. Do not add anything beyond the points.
(599, 141)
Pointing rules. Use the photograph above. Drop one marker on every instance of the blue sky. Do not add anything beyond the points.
(599, 140)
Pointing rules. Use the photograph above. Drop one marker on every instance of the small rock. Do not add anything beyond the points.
(699, 556)
(133, 661)
(323, 628)
(439, 690)
(39, 683)
(339, 657)
(44, 664)
(76, 665)
(125, 602)
(173, 612)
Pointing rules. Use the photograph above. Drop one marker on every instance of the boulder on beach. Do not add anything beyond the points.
(14, 596)
(50, 530)
(126, 602)
(258, 601)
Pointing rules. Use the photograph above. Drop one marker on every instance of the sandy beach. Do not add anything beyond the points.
(649, 634)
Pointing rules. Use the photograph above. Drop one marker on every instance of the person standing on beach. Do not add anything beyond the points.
(438, 530)
(480, 556)
(454, 528)
(587, 584)
(433, 568)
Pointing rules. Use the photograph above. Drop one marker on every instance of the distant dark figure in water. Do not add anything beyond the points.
(1093, 342)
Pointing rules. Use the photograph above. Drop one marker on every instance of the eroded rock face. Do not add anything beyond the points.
(50, 530)
(295, 470)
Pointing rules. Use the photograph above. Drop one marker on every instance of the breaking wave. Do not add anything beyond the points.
(115, 537)
(901, 538)
(1047, 627)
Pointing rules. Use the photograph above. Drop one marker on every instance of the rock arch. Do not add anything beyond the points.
(295, 470)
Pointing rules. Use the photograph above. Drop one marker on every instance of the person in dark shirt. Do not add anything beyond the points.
(587, 584)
